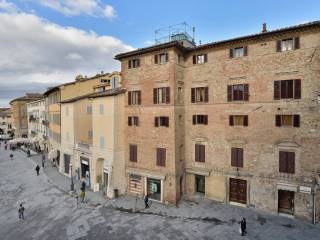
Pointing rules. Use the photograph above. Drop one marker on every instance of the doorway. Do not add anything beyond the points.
(85, 170)
(154, 189)
(200, 184)
(286, 201)
(238, 190)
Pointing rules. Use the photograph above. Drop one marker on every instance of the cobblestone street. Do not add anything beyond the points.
(51, 213)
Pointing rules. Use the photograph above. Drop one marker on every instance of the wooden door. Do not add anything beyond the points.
(238, 190)
(286, 201)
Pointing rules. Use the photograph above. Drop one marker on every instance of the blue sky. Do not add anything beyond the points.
(47, 42)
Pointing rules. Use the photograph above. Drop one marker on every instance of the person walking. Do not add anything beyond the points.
(243, 226)
(146, 201)
(83, 185)
(28, 152)
(11, 156)
(82, 195)
(37, 169)
(21, 212)
(43, 159)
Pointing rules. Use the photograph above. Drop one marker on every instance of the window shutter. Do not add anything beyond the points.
(167, 121)
(164, 157)
(135, 153)
(246, 92)
(139, 97)
(297, 89)
(206, 94)
(194, 59)
(156, 121)
(282, 161)
(296, 42)
(167, 57)
(231, 53)
(155, 95)
(278, 46)
(129, 64)
(205, 58)
(206, 119)
(129, 98)
(129, 121)
(296, 120)
(290, 162)
(194, 119)
(245, 51)
(158, 157)
(231, 120)
(233, 157)
(202, 153)
(276, 90)
(131, 153)
(229, 93)
(240, 157)
(136, 121)
(245, 120)
(156, 59)
(167, 94)
(193, 95)
(278, 120)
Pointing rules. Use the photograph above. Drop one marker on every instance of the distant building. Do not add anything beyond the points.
(6, 121)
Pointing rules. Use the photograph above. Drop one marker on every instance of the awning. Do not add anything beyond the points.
(53, 154)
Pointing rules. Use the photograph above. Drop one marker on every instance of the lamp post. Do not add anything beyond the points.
(72, 184)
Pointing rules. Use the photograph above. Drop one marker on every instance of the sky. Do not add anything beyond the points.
(47, 42)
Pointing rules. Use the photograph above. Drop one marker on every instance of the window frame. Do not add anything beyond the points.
(161, 155)
(200, 152)
(245, 121)
(233, 96)
(134, 98)
(200, 119)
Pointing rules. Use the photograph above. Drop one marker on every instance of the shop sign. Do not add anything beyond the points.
(135, 177)
(304, 189)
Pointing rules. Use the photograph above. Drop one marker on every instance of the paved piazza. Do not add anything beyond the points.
(51, 213)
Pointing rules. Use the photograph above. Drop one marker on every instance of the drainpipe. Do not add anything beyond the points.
(313, 193)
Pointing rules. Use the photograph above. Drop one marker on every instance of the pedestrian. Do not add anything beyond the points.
(21, 212)
(243, 226)
(83, 185)
(146, 201)
(11, 156)
(37, 169)
(82, 195)
(28, 152)
(5, 147)
(43, 158)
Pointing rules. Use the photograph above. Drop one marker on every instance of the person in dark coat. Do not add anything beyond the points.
(243, 226)
(43, 158)
(11, 156)
(146, 201)
(37, 169)
(83, 186)
(21, 212)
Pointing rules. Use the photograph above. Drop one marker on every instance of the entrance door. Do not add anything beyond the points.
(105, 180)
(154, 189)
(238, 190)
(85, 170)
(286, 201)
(200, 184)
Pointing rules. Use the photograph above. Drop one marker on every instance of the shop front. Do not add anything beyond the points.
(154, 189)
(85, 170)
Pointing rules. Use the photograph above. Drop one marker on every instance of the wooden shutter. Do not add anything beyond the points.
(131, 153)
(205, 119)
(276, 90)
(129, 64)
(163, 157)
(282, 161)
(194, 57)
(156, 121)
(205, 58)
(231, 53)
(202, 151)
(229, 93)
(206, 94)
(246, 92)
(129, 98)
(167, 57)
(156, 59)
(136, 121)
(129, 121)
(239, 157)
(231, 120)
(167, 121)
(139, 97)
(155, 95)
(193, 95)
(158, 157)
(233, 157)
(296, 120)
(245, 51)
(290, 162)
(296, 42)
(197, 153)
(297, 89)
(245, 120)
(194, 119)
(167, 94)
(278, 120)
(278, 46)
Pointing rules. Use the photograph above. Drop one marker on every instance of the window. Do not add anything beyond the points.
(134, 63)
(133, 153)
(161, 157)
(101, 108)
(161, 58)
(288, 44)
(200, 119)
(237, 157)
(199, 94)
(287, 89)
(161, 121)
(200, 58)
(288, 120)
(238, 52)
(238, 92)
(133, 121)
(101, 142)
(200, 153)
(286, 162)
(134, 98)
(238, 120)
(161, 95)
(89, 109)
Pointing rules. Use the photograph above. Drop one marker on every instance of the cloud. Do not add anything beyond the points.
(36, 53)
(8, 7)
(80, 7)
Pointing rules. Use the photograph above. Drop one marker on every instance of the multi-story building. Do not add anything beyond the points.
(6, 121)
(19, 113)
(236, 121)
(36, 111)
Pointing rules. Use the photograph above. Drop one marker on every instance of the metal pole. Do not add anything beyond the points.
(72, 184)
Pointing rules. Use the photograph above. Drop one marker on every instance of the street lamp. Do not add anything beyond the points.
(72, 184)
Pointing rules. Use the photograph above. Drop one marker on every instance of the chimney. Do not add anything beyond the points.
(264, 27)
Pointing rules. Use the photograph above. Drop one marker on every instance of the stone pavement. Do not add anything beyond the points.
(51, 213)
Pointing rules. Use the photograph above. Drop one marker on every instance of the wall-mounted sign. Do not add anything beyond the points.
(304, 189)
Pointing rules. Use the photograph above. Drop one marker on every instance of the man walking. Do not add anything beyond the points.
(21, 212)
(82, 195)
(243, 226)
(37, 169)
(43, 158)
(11, 156)
(146, 201)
